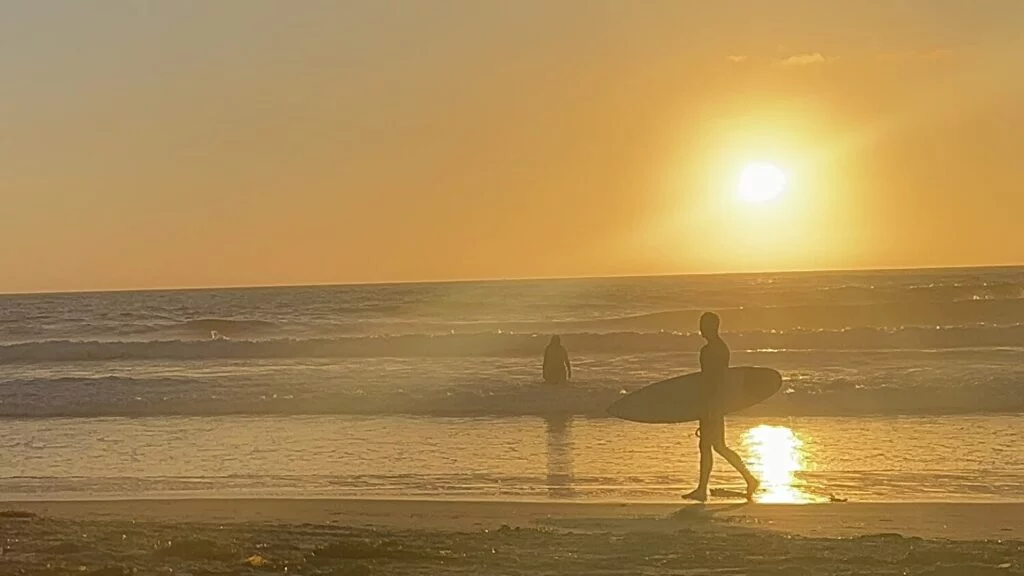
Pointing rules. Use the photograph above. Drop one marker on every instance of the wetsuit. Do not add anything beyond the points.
(714, 362)
(556, 365)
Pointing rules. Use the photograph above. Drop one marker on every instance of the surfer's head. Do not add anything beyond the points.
(555, 341)
(709, 323)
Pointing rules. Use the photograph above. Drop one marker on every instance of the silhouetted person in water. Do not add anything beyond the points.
(714, 362)
(557, 369)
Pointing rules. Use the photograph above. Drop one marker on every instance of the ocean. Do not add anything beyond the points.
(898, 386)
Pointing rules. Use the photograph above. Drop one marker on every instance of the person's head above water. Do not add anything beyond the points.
(555, 341)
(709, 323)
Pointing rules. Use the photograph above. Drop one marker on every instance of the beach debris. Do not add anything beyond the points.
(256, 561)
(17, 514)
(110, 571)
(834, 498)
(193, 549)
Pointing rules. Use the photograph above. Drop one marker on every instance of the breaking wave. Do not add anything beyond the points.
(132, 397)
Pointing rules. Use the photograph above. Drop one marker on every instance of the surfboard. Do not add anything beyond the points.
(678, 399)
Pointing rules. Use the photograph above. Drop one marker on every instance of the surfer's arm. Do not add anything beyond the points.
(568, 366)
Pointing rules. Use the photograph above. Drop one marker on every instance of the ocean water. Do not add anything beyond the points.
(898, 385)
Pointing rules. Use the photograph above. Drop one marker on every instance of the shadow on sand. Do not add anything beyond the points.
(689, 517)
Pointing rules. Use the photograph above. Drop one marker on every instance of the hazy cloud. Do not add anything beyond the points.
(804, 59)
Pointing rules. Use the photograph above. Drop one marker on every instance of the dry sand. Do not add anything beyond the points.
(434, 537)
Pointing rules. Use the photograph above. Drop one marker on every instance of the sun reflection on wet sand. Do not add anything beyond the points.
(777, 456)
(559, 445)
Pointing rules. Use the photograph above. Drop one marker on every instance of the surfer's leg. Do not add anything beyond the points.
(707, 459)
(734, 459)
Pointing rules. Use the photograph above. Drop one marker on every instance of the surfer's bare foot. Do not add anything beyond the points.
(752, 487)
(698, 495)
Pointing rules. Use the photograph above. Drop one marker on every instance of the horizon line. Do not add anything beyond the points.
(512, 279)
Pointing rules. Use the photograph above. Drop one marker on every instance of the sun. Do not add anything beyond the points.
(760, 182)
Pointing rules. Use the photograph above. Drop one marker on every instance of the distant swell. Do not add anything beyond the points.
(204, 326)
(834, 316)
(831, 310)
(511, 345)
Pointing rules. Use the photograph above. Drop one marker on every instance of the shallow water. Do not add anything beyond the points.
(798, 459)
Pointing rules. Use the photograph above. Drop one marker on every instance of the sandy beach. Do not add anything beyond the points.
(501, 537)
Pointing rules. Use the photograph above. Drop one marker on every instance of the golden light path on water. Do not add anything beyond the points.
(776, 457)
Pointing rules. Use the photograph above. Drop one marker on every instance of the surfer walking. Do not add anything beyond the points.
(557, 369)
(714, 363)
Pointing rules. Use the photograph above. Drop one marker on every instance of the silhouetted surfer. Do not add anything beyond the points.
(557, 369)
(714, 362)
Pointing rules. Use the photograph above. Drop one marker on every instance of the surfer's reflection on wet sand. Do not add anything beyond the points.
(559, 439)
(777, 456)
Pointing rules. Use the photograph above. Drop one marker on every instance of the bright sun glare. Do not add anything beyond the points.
(760, 182)
(777, 456)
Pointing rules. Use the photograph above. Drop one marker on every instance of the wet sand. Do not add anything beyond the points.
(499, 537)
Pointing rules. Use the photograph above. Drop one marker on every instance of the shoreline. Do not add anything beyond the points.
(395, 537)
(951, 520)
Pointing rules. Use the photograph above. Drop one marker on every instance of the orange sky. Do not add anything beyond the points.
(262, 142)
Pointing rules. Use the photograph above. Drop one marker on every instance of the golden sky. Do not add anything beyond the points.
(245, 142)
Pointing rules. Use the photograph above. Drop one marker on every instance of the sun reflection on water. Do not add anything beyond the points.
(777, 455)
